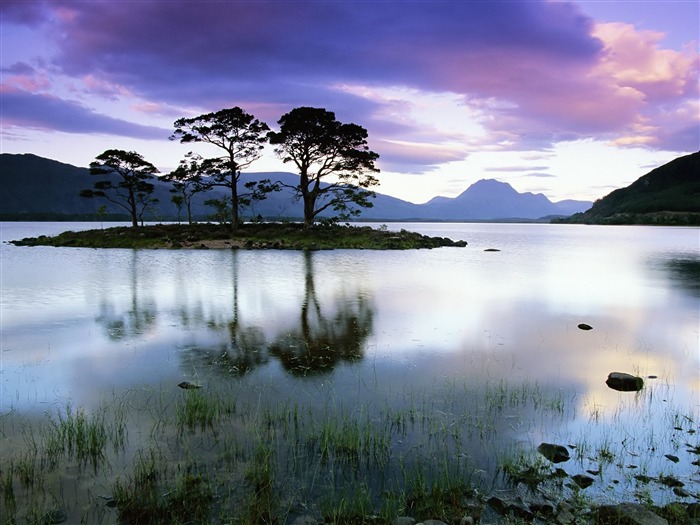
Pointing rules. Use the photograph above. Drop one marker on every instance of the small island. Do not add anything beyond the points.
(271, 235)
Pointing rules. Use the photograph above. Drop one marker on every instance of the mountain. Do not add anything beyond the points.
(490, 199)
(669, 194)
(43, 189)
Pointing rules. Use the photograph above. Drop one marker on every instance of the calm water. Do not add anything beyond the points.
(81, 323)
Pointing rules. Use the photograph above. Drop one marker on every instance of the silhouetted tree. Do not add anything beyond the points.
(127, 184)
(188, 179)
(322, 147)
(242, 138)
(222, 209)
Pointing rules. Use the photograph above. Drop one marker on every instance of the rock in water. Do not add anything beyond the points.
(54, 516)
(624, 382)
(584, 326)
(582, 480)
(554, 453)
(628, 514)
(188, 386)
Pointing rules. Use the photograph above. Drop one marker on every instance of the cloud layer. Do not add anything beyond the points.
(523, 75)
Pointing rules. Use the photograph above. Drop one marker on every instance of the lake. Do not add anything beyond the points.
(456, 356)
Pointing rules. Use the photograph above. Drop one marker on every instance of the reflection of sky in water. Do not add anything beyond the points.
(68, 311)
(79, 323)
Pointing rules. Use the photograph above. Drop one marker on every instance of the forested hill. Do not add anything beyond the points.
(669, 194)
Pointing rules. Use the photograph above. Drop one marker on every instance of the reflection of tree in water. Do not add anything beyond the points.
(321, 340)
(242, 347)
(242, 350)
(317, 345)
(136, 320)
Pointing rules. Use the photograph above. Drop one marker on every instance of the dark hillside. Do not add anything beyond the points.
(670, 192)
(32, 184)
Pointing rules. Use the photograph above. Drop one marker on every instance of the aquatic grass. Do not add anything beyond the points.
(262, 503)
(82, 436)
(8, 490)
(150, 496)
(353, 506)
(435, 491)
(201, 410)
(254, 456)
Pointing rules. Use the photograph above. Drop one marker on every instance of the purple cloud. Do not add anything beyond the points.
(19, 68)
(541, 70)
(20, 108)
(516, 168)
(207, 52)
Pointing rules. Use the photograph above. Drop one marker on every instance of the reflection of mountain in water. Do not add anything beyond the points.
(685, 273)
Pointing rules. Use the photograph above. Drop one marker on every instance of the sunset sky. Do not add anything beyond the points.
(570, 99)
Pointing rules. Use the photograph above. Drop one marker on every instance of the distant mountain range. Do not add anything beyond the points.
(36, 188)
(669, 194)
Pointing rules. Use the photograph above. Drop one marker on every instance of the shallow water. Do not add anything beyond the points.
(445, 328)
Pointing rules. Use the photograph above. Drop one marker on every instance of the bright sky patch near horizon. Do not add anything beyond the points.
(569, 99)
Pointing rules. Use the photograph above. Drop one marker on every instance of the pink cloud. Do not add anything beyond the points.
(634, 59)
(104, 88)
(32, 83)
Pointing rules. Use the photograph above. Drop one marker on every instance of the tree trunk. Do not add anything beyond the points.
(309, 198)
(132, 209)
(234, 205)
(309, 201)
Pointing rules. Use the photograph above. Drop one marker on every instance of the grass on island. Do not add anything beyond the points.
(292, 236)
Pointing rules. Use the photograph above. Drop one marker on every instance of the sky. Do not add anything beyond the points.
(569, 99)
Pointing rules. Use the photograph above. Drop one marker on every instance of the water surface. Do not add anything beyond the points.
(361, 326)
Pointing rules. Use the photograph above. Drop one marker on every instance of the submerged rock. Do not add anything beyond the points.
(188, 386)
(505, 505)
(582, 480)
(554, 453)
(628, 514)
(53, 516)
(624, 382)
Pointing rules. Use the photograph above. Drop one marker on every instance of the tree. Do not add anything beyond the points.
(188, 180)
(222, 209)
(241, 136)
(127, 184)
(322, 147)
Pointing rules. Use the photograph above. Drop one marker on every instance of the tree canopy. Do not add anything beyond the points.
(188, 179)
(127, 183)
(242, 138)
(333, 159)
